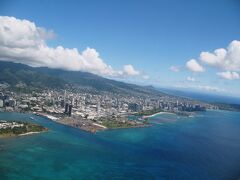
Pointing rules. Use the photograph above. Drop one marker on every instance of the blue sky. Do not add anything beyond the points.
(151, 36)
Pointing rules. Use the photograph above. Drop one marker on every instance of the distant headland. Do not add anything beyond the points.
(19, 128)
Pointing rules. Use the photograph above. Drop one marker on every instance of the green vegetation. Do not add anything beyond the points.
(113, 123)
(32, 78)
(21, 78)
(26, 128)
(148, 112)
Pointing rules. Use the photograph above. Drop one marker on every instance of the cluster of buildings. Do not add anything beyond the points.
(6, 125)
(93, 106)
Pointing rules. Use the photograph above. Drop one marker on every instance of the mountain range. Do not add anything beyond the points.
(42, 77)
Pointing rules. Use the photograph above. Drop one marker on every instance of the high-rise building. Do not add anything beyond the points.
(73, 101)
(76, 103)
(12, 103)
(98, 107)
(70, 110)
(1, 103)
(66, 108)
(65, 94)
(1, 95)
(62, 103)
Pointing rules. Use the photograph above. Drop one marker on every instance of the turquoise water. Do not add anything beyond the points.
(204, 147)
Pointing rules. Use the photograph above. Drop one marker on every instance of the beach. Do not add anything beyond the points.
(156, 114)
(28, 133)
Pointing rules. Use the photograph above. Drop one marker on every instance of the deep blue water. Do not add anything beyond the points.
(204, 147)
(208, 97)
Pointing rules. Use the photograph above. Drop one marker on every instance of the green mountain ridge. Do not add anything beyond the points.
(43, 77)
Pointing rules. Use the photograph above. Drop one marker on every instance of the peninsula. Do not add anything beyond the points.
(100, 124)
(19, 128)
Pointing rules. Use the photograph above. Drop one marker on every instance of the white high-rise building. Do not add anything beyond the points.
(65, 94)
(1, 103)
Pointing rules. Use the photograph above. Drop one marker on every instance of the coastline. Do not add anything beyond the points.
(152, 115)
(19, 135)
(53, 118)
(139, 126)
(29, 133)
(92, 128)
(15, 128)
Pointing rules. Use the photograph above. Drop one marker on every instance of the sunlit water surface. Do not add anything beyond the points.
(206, 146)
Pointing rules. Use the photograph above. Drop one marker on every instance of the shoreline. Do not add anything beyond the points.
(19, 135)
(152, 115)
(93, 128)
(140, 126)
(96, 128)
(53, 118)
(29, 133)
(15, 128)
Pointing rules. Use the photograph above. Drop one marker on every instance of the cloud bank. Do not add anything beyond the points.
(174, 68)
(192, 79)
(201, 87)
(22, 41)
(129, 70)
(229, 75)
(225, 59)
(194, 66)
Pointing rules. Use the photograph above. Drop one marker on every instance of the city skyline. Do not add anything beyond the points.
(191, 45)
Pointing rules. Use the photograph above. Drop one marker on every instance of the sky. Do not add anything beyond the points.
(188, 44)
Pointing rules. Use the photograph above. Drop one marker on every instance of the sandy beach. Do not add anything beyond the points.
(46, 115)
(157, 114)
(28, 133)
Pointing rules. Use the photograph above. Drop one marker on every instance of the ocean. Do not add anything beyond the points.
(207, 97)
(206, 146)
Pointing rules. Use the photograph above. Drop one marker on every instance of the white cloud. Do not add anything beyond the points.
(226, 59)
(22, 41)
(192, 79)
(229, 75)
(210, 88)
(46, 34)
(201, 87)
(145, 77)
(174, 68)
(194, 66)
(129, 70)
